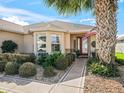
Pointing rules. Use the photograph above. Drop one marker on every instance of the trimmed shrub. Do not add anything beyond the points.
(49, 71)
(71, 58)
(42, 58)
(2, 66)
(19, 58)
(61, 63)
(9, 46)
(46, 64)
(48, 60)
(32, 58)
(27, 70)
(11, 68)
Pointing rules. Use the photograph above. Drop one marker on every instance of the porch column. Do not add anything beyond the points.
(67, 42)
(78, 43)
(89, 46)
(35, 43)
(81, 44)
(48, 42)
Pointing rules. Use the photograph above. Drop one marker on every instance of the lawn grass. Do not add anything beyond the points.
(2, 92)
(119, 55)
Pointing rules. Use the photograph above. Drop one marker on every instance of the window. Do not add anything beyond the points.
(55, 40)
(120, 41)
(41, 43)
(41, 38)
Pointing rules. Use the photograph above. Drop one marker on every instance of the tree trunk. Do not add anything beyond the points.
(106, 29)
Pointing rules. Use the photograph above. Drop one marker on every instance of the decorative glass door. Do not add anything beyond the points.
(84, 46)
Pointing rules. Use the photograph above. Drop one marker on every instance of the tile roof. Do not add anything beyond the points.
(44, 26)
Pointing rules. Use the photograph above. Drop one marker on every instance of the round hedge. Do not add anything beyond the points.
(49, 71)
(28, 69)
(61, 62)
(11, 68)
(9, 46)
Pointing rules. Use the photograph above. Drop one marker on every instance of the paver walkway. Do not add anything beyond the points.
(73, 82)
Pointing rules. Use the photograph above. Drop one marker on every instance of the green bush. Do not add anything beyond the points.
(97, 68)
(112, 70)
(42, 58)
(49, 71)
(48, 60)
(2, 66)
(11, 68)
(31, 58)
(107, 70)
(46, 64)
(27, 70)
(61, 63)
(19, 58)
(71, 58)
(54, 56)
(93, 60)
(9, 46)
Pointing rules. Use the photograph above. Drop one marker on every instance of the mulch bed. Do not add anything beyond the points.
(97, 84)
(40, 77)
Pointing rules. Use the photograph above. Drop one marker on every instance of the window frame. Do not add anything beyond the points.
(55, 43)
(41, 42)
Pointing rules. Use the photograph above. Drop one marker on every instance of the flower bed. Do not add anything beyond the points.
(47, 69)
(102, 79)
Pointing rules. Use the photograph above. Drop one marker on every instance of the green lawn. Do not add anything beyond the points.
(2, 92)
(119, 55)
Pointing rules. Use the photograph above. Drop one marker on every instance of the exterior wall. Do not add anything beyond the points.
(28, 43)
(17, 38)
(120, 47)
(67, 41)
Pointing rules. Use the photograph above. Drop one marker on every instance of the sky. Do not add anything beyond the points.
(25, 12)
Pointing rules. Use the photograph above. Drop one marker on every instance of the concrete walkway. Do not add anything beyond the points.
(73, 82)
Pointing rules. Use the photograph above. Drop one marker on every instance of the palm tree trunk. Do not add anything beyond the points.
(106, 29)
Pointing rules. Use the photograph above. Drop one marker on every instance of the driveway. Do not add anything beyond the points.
(71, 82)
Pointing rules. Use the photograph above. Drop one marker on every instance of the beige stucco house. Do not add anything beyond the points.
(48, 37)
(120, 44)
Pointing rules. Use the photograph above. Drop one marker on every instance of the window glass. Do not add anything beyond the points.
(41, 38)
(41, 43)
(55, 40)
(55, 47)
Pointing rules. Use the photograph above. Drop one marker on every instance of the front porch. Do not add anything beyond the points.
(82, 43)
